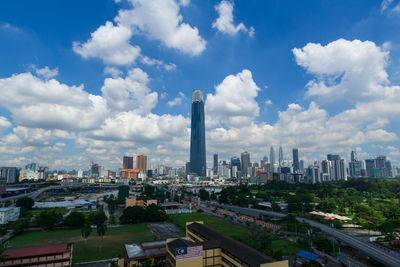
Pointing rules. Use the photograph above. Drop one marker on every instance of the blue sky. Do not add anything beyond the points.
(93, 80)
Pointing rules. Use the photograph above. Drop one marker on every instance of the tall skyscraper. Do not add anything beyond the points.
(235, 166)
(296, 165)
(141, 163)
(272, 158)
(301, 164)
(127, 162)
(370, 167)
(245, 160)
(197, 136)
(332, 157)
(280, 156)
(353, 156)
(215, 165)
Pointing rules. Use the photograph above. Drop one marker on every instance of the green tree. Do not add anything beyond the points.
(25, 202)
(155, 213)
(204, 195)
(85, 232)
(48, 219)
(101, 230)
(275, 207)
(133, 215)
(75, 219)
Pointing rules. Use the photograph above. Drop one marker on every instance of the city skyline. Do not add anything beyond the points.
(70, 96)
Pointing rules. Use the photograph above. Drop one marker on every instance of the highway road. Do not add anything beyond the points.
(365, 247)
(38, 192)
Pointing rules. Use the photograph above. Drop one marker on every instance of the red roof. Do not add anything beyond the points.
(35, 251)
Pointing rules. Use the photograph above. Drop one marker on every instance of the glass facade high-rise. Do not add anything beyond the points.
(245, 160)
(215, 165)
(197, 136)
(296, 165)
(272, 158)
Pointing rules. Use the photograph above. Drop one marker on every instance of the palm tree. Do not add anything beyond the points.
(86, 231)
(101, 230)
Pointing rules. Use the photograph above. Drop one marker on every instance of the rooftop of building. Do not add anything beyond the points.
(165, 204)
(180, 243)
(145, 249)
(236, 248)
(8, 209)
(14, 253)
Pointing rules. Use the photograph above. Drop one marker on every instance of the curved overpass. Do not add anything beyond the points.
(365, 247)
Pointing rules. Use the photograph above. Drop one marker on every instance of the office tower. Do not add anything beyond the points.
(280, 156)
(332, 157)
(370, 167)
(245, 160)
(235, 167)
(141, 163)
(353, 156)
(127, 162)
(215, 166)
(296, 165)
(198, 138)
(9, 175)
(187, 167)
(355, 169)
(388, 167)
(263, 162)
(94, 170)
(43, 172)
(31, 166)
(272, 158)
(301, 165)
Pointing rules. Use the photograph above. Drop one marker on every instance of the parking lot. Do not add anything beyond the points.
(165, 230)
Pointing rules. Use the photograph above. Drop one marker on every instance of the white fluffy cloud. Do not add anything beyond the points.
(161, 20)
(348, 70)
(224, 22)
(234, 101)
(130, 93)
(50, 104)
(177, 100)
(4, 124)
(112, 71)
(111, 44)
(141, 129)
(155, 62)
(45, 72)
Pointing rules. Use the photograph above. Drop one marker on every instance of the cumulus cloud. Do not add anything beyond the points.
(349, 70)
(49, 104)
(234, 101)
(161, 20)
(155, 62)
(385, 4)
(112, 71)
(4, 124)
(130, 93)
(224, 22)
(141, 128)
(111, 44)
(45, 72)
(177, 100)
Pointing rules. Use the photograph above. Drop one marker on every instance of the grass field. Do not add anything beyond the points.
(285, 247)
(217, 224)
(113, 241)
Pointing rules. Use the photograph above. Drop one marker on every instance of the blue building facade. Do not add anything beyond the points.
(198, 138)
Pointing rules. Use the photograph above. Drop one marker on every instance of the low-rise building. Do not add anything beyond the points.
(9, 214)
(139, 201)
(49, 255)
(137, 253)
(204, 246)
